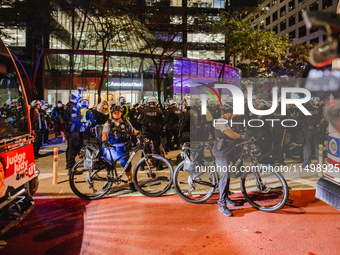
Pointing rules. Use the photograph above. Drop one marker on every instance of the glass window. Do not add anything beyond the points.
(176, 3)
(206, 38)
(16, 37)
(274, 2)
(326, 4)
(274, 16)
(301, 2)
(267, 7)
(283, 25)
(267, 20)
(292, 20)
(175, 20)
(274, 29)
(302, 31)
(13, 117)
(313, 30)
(292, 35)
(314, 6)
(291, 5)
(283, 11)
(281, 1)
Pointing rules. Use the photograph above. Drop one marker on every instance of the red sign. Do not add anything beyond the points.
(18, 167)
(332, 104)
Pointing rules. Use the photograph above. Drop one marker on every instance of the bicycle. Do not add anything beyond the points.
(262, 187)
(94, 181)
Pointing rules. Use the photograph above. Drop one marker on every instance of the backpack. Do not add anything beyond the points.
(91, 153)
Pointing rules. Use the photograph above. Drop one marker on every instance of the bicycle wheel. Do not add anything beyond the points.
(196, 187)
(89, 184)
(265, 190)
(157, 182)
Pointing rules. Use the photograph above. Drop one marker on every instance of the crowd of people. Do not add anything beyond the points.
(169, 126)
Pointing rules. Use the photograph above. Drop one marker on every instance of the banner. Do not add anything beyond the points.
(16, 168)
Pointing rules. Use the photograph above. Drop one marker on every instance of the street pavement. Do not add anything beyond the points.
(129, 223)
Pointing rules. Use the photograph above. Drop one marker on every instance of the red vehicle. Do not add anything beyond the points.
(18, 174)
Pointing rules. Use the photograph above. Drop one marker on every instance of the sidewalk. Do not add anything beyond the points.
(296, 179)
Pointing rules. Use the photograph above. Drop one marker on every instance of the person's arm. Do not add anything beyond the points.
(231, 134)
(106, 130)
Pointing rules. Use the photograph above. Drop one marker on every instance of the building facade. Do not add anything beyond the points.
(285, 17)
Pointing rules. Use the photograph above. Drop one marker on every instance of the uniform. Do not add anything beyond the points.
(37, 118)
(277, 135)
(312, 138)
(172, 121)
(74, 142)
(118, 135)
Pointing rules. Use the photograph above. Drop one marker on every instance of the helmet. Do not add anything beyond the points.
(122, 100)
(210, 101)
(35, 103)
(117, 108)
(45, 107)
(166, 104)
(228, 108)
(84, 103)
(172, 102)
(76, 95)
(197, 101)
(128, 104)
(152, 100)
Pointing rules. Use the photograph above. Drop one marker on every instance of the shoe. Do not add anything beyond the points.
(223, 209)
(78, 172)
(230, 202)
(132, 187)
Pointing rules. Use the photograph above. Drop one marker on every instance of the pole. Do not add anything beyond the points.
(55, 166)
(320, 174)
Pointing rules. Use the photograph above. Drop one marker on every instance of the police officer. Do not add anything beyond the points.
(223, 147)
(73, 126)
(311, 124)
(151, 121)
(172, 121)
(116, 132)
(37, 118)
(122, 102)
(208, 121)
(278, 135)
(86, 118)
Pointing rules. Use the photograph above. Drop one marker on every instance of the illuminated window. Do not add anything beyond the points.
(206, 54)
(206, 38)
(16, 36)
(207, 3)
(291, 5)
(175, 20)
(176, 3)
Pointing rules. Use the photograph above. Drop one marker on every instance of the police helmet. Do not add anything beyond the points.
(210, 101)
(166, 104)
(117, 108)
(172, 102)
(84, 103)
(45, 107)
(197, 101)
(152, 101)
(228, 108)
(128, 104)
(76, 95)
(122, 100)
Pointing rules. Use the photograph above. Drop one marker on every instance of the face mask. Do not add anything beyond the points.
(105, 106)
(59, 105)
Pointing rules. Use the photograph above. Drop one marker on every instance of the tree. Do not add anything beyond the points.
(252, 44)
(109, 21)
(168, 39)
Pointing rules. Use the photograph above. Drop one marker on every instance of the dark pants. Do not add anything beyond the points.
(37, 142)
(74, 145)
(223, 163)
(170, 133)
(46, 133)
(277, 145)
(311, 142)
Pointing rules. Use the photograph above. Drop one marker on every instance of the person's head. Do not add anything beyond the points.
(152, 101)
(166, 105)
(128, 105)
(76, 96)
(103, 107)
(117, 112)
(172, 103)
(228, 111)
(122, 100)
(84, 103)
(38, 104)
(158, 106)
(197, 102)
(60, 104)
(211, 103)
